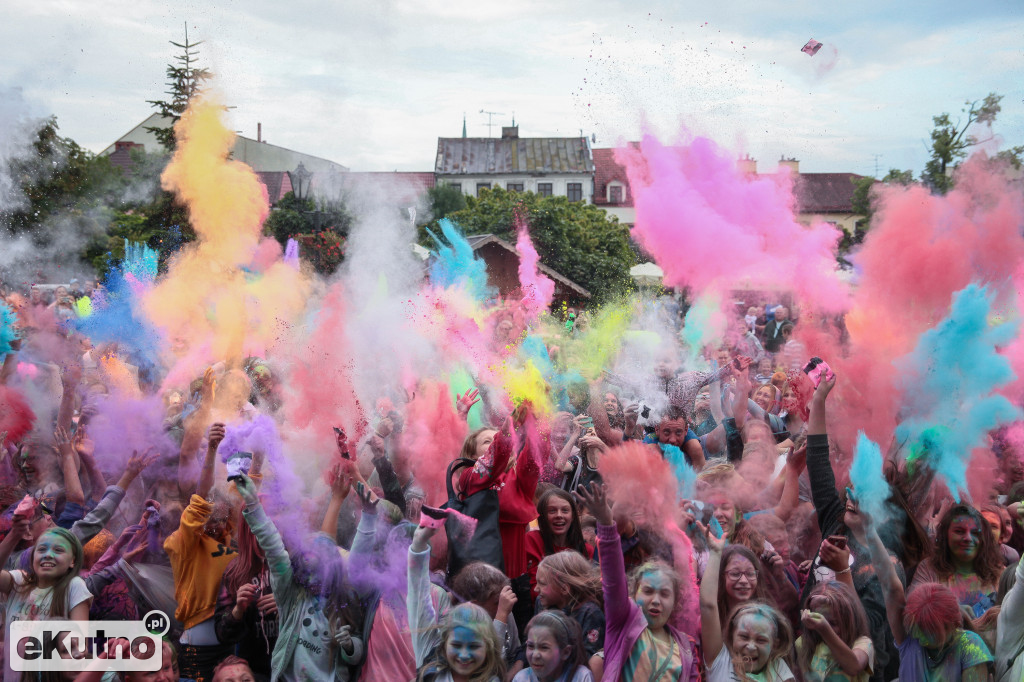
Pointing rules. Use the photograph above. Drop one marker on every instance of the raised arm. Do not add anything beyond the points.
(278, 561)
(422, 615)
(710, 619)
(796, 461)
(72, 483)
(20, 530)
(823, 481)
(341, 484)
(609, 547)
(195, 426)
(209, 462)
(862, 527)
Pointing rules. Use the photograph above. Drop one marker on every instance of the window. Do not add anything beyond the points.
(514, 186)
(482, 185)
(574, 190)
(544, 189)
(455, 185)
(615, 194)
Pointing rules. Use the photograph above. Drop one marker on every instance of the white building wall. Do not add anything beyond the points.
(559, 183)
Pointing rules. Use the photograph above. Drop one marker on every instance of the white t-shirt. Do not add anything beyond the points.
(721, 670)
(34, 604)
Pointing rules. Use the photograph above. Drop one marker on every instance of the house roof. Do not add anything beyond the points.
(606, 170)
(278, 183)
(826, 192)
(479, 241)
(492, 155)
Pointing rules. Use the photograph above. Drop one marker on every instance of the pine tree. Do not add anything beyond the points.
(184, 81)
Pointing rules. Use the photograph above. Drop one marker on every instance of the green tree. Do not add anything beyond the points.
(292, 217)
(950, 140)
(578, 240)
(445, 200)
(184, 81)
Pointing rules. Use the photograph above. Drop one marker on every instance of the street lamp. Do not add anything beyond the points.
(300, 178)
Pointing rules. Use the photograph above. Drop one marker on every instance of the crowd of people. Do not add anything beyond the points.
(768, 568)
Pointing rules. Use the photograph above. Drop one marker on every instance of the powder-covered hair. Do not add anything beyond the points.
(574, 572)
(988, 564)
(573, 536)
(848, 615)
(931, 607)
(658, 566)
(567, 633)
(783, 631)
(478, 582)
(477, 620)
(58, 601)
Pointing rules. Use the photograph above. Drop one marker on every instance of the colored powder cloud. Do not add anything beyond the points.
(8, 334)
(866, 478)
(711, 227)
(950, 380)
(457, 265)
(538, 289)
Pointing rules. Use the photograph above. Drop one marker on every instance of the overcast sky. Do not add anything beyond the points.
(372, 84)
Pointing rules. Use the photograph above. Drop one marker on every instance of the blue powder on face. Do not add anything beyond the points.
(7, 331)
(949, 381)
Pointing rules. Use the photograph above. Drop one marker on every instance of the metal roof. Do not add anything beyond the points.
(476, 155)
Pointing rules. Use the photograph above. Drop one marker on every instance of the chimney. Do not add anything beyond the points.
(510, 132)
(747, 165)
(792, 164)
(259, 132)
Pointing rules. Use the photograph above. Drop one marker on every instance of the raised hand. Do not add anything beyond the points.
(247, 489)
(216, 435)
(466, 401)
(62, 442)
(813, 620)
(209, 389)
(596, 500)
(367, 497)
(136, 463)
(715, 544)
(825, 387)
(343, 638)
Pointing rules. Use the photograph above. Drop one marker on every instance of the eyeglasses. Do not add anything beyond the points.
(751, 576)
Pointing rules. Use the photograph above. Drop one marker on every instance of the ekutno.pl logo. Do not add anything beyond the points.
(72, 646)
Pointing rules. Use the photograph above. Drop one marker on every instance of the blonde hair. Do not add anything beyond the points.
(469, 445)
(572, 571)
(471, 616)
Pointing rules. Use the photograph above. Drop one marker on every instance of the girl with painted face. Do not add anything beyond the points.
(461, 646)
(966, 559)
(753, 638)
(554, 650)
(641, 643)
(925, 623)
(835, 646)
(50, 588)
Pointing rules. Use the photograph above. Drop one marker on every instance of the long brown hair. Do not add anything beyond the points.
(988, 564)
(848, 613)
(574, 536)
(59, 595)
(573, 571)
(760, 593)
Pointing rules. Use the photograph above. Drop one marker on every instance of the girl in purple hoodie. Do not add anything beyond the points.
(639, 644)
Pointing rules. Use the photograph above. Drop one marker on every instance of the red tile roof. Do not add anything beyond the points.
(121, 156)
(815, 192)
(826, 192)
(278, 183)
(606, 170)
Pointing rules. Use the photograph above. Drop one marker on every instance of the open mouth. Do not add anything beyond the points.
(47, 564)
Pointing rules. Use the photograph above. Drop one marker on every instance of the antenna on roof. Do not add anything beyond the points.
(490, 115)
